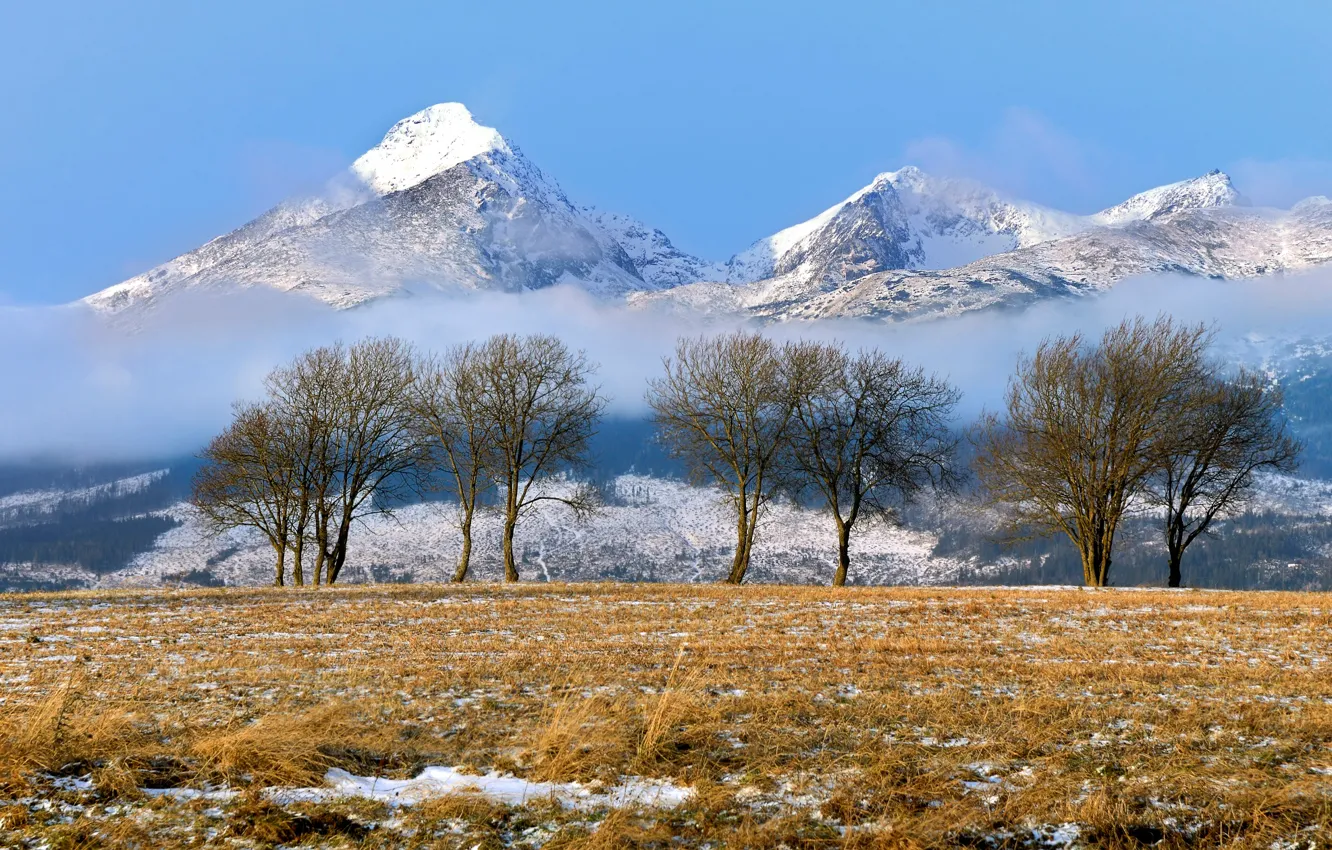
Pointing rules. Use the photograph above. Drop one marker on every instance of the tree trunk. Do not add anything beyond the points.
(319, 561)
(339, 553)
(298, 567)
(321, 548)
(1095, 560)
(1174, 547)
(843, 553)
(280, 579)
(510, 524)
(465, 558)
(510, 565)
(298, 553)
(337, 560)
(740, 564)
(1093, 568)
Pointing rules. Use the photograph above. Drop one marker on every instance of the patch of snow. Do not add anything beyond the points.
(510, 790)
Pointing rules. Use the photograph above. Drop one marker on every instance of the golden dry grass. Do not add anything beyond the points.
(800, 717)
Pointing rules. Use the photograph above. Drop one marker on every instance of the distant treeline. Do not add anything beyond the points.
(1250, 551)
(100, 545)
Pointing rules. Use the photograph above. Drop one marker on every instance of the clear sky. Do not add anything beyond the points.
(133, 131)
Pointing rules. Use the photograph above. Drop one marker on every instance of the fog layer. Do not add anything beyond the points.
(78, 388)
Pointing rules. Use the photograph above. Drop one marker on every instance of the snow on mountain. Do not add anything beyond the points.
(658, 261)
(443, 203)
(1213, 189)
(446, 204)
(422, 145)
(903, 219)
(1196, 227)
(30, 505)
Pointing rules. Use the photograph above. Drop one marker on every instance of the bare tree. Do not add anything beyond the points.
(1225, 432)
(537, 398)
(375, 448)
(724, 406)
(869, 434)
(357, 450)
(449, 406)
(248, 480)
(306, 395)
(1081, 429)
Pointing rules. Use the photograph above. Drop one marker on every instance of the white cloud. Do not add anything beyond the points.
(1025, 156)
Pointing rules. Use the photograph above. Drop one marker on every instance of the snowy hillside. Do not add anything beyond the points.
(653, 530)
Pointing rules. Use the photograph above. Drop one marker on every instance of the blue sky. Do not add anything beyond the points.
(132, 132)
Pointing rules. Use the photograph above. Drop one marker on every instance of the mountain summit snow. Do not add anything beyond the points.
(422, 145)
(444, 203)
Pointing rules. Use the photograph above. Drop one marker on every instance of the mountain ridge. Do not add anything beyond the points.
(446, 204)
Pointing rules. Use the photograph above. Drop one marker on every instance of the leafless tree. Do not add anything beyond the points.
(869, 434)
(452, 417)
(248, 480)
(724, 406)
(339, 420)
(537, 398)
(306, 395)
(1081, 428)
(375, 451)
(1226, 431)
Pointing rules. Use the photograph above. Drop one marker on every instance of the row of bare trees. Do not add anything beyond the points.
(1143, 419)
(346, 432)
(860, 433)
(1088, 434)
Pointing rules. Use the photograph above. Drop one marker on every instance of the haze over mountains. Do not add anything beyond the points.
(444, 204)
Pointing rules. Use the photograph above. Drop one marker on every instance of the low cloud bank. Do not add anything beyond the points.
(77, 388)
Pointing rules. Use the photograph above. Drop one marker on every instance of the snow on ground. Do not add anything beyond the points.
(657, 530)
(509, 790)
(433, 782)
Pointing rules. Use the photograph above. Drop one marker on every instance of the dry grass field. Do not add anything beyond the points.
(771, 717)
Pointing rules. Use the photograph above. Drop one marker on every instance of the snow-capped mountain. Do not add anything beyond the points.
(441, 203)
(902, 220)
(446, 204)
(1216, 242)
(909, 244)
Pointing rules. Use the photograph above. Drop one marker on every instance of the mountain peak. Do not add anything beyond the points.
(1212, 189)
(422, 145)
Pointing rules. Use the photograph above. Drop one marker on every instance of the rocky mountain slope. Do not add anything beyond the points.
(445, 204)
(441, 203)
(886, 251)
